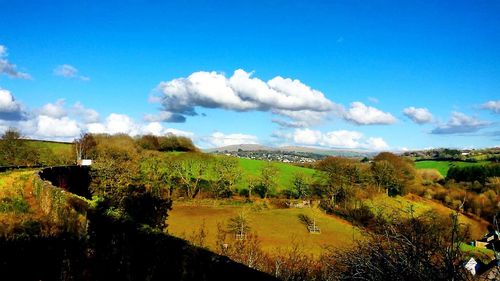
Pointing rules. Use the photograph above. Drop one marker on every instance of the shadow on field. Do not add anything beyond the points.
(115, 250)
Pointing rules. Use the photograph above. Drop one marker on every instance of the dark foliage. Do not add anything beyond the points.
(473, 173)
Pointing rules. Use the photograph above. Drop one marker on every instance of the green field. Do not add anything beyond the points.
(276, 228)
(403, 204)
(443, 166)
(252, 167)
(54, 146)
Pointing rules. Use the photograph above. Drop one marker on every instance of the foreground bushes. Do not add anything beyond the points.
(403, 247)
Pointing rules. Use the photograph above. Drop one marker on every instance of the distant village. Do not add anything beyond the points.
(279, 156)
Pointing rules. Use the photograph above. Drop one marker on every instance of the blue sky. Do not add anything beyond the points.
(341, 74)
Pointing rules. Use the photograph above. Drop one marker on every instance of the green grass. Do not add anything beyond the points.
(54, 146)
(485, 255)
(276, 228)
(443, 166)
(252, 167)
(386, 205)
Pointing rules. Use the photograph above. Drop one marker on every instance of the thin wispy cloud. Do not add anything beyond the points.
(460, 123)
(69, 71)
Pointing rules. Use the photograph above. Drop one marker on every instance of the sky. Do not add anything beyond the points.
(369, 75)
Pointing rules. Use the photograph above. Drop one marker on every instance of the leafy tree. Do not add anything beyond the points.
(337, 176)
(172, 142)
(301, 185)
(191, 169)
(149, 142)
(268, 177)
(384, 176)
(116, 166)
(227, 174)
(417, 248)
(146, 207)
(252, 184)
(14, 151)
(392, 172)
(85, 146)
(239, 225)
(157, 174)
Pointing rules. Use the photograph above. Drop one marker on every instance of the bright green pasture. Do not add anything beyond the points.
(252, 167)
(443, 166)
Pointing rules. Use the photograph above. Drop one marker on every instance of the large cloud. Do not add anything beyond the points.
(337, 139)
(8, 68)
(460, 123)
(55, 121)
(123, 124)
(69, 71)
(493, 105)
(55, 110)
(57, 128)
(241, 92)
(10, 109)
(361, 114)
(115, 124)
(418, 115)
(87, 115)
(219, 139)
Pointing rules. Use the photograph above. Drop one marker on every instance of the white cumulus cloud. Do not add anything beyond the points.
(10, 109)
(493, 105)
(418, 115)
(50, 127)
(55, 110)
(115, 124)
(241, 92)
(361, 114)
(122, 124)
(87, 115)
(337, 139)
(8, 68)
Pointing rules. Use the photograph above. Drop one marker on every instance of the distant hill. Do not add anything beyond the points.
(296, 149)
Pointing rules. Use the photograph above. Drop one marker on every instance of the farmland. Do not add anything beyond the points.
(252, 168)
(276, 228)
(443, 166)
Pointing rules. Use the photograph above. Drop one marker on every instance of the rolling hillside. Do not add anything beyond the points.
(443, 166)
(252, 168)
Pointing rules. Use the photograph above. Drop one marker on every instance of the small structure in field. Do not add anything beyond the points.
(85, 162)
(310, 223)
(300, 204)
(490, 240)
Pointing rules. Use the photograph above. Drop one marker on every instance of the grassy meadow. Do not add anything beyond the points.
(443, 166)
(276, 228)
(252, 167)
(419, 205)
